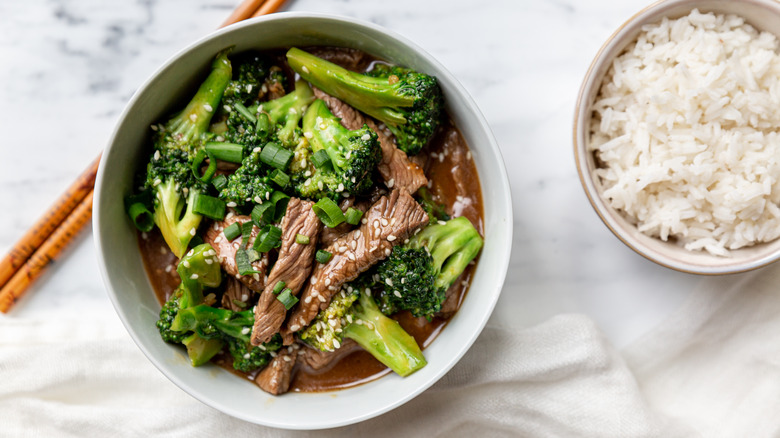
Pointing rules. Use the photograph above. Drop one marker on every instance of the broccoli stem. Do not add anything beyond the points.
(374, 96)
(200, 350)
(452, 245)
(384, 338)
(194, 120)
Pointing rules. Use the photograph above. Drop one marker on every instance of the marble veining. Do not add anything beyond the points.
(69, 67)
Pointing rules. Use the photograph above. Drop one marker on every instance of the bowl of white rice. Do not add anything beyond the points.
(677, 134)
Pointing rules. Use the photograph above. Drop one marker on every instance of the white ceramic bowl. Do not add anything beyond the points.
(131, 292)
(761, 14)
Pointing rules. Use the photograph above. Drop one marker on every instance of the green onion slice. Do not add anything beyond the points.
(280, 201)
(263, 123)
(353, 216)
(198, 161)
(138, 207)
(246, 231)
(232, 231)
(269, 237)
(320, 158)
(329, 213)
(279, 286)
(219, 182)
(224, 151)
(209, 206)
(275, 156)
(287, 299)
(245, 112)
(262, 214)
(244, 259)
(280, 178)
(323, 256)
(301, 239)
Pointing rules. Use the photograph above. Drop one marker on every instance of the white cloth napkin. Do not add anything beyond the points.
(711, 370)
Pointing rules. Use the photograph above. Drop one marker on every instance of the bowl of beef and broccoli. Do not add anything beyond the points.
(303, 220)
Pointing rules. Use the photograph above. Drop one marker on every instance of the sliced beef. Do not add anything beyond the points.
(313, 360)
(293, 267)
(396, 168)
(350, 59)
(226, 252)
(237, 295)
(390, 221)
(276, 377)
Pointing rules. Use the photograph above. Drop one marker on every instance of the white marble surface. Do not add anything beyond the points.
(69, 67)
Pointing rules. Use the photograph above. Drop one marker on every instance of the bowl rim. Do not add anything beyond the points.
(579, 142)
(490, 146)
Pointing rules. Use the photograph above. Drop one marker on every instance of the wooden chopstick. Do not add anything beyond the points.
(46, 239)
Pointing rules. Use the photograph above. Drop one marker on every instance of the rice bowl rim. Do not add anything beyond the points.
(667, 254)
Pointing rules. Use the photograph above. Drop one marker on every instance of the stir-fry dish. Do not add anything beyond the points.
(309, 219)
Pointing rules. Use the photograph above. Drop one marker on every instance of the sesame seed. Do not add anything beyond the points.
(227, 108)
(349, 319)
(364, 221)
(468, 155)
(387, 252)
(396, 293)
(218, 239)
(246, 356)
(257, 150)
(327, 282)
(157, 182)
(384, 222)
(442, 223)
(406, 241)
(376, 224)
(307, 300)
(319, 185)
(390, 238)
(207, 107)
(403, 280)
(308, 134)
(231, 204)
(389, 282)
(341, 187)
(391, 183)
(332, 322)
(351, 256)
(353, 245)
(258, 200)
(192, 231)
(256, 276)
(336, 343)
(358, 233)
(245, 330)
(305, 70)
(342, 249)
(238, 276)
(295, 327)
(169, 268)
(186, 264)
(194, 117)
(154, 127)
(372, 249)
(156, 155)
(314, 280)
(219, 138)
(307, 173)
(194, 276)
(244, 297)
(366, 137)
(209, 261)
(321, 298)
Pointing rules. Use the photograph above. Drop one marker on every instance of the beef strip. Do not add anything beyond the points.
(293, 266)
(390, 221)
(351, 59)
(313, 360)
(396, 168)
(276, 377)
(226, 252)
(237, 295)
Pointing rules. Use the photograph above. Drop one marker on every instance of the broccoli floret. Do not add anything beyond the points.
(169, 173)
(285, 113)
(408, 102)
(250, 183)
(417, 275)
(353, 314)
(352, 156)
(250, 71)
(232, 328)
(197, 269)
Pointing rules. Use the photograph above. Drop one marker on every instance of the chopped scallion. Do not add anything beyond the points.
(353, 216)
(263, 214)
(329, 213)
(245, 112)
(323, 256)
(232, 231)
(198, 161)
(279, 286)
(224, 151)
(263, 123)
(320, 158)
(137, 207)
(280, 201)
(246, 231)
(301, 239)
(209, 206)
(280, 178)
(287, 299)
(269, 237)
(275, 156)
(244, 259)
(219, 182)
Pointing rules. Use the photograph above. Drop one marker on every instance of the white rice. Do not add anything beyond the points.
(685, 131)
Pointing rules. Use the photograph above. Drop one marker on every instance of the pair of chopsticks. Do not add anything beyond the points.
(46, 239)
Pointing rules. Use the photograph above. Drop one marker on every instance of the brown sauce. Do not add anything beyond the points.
(454, 183)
